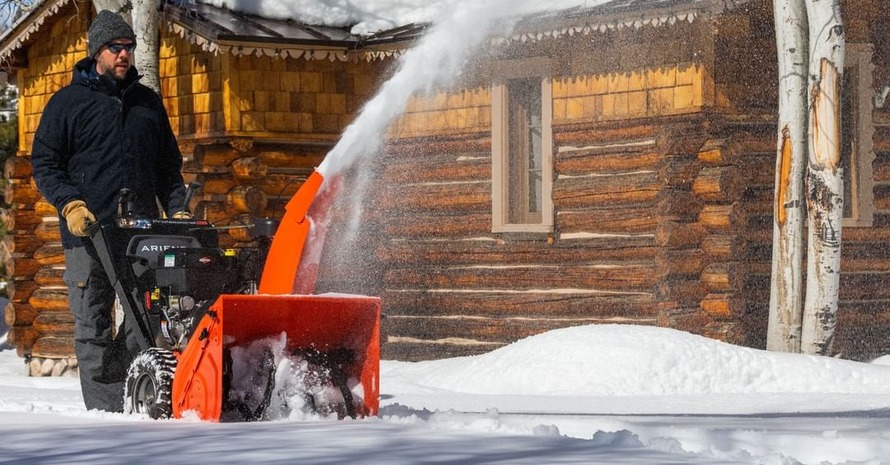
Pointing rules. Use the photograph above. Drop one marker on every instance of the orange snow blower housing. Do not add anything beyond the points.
(236, 334)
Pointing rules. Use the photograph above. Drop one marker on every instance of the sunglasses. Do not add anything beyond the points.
(117, 48)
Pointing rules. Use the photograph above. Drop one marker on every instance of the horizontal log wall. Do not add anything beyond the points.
(626, 247)
(243, 180)
(721, 185)
(864, 307)
(863, 330)
(746, 60)
(741, 171)
(708, 207)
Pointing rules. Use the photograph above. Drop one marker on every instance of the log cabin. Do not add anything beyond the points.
(611, 164)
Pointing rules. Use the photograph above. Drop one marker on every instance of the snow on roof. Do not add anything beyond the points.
(372, 16)
(364, 18)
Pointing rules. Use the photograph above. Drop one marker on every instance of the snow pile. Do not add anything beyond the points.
(589, 361)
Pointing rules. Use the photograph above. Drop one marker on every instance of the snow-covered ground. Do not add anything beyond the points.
(585, 395)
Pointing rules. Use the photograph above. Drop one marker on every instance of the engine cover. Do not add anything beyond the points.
(202, 273)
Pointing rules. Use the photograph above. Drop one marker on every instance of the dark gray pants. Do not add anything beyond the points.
(101, 358)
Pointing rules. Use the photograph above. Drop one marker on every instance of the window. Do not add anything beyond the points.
(857, 129)
(522, 147)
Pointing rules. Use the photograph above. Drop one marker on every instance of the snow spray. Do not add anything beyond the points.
(440, 57)
(464, 26)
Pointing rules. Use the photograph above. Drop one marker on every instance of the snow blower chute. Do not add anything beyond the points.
(236, 334)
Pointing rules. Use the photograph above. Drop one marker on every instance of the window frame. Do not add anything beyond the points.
(504, 71)
(859, 56)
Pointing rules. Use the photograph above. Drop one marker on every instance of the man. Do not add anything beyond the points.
(103, 132)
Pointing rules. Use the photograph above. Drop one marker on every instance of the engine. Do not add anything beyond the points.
(187, 282)
(178, 278)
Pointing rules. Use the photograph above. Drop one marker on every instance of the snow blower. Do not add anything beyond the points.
(224, 334)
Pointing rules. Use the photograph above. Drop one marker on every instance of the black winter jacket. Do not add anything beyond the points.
(96, 137)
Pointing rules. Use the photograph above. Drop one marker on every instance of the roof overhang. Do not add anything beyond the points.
(219, 30)
(20, 32)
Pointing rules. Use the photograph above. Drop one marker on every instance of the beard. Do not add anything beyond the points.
(118, 72)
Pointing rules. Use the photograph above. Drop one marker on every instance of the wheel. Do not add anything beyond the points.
(149, 386)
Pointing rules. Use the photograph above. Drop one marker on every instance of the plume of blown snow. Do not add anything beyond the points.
(436, 60)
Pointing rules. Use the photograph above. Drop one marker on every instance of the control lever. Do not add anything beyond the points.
(125, 204)
(190, 190)
(126, 211)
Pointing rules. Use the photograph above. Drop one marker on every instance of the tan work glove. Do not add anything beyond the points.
(182, 215)
(78, 217)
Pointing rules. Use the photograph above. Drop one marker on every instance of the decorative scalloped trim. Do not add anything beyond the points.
(277, 51)
(30, 24)
(590, 28)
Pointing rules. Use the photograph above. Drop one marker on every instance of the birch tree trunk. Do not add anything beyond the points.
(824, 177)
(146, 25)
(121, 7)
(786, 286)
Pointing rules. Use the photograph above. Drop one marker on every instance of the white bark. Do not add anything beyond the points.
(146, 25)
(786, 289)
(824, 178)
(121, 7)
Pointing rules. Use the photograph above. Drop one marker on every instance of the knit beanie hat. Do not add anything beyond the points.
(106, 27)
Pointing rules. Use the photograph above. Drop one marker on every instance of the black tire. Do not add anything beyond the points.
(149, 386)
